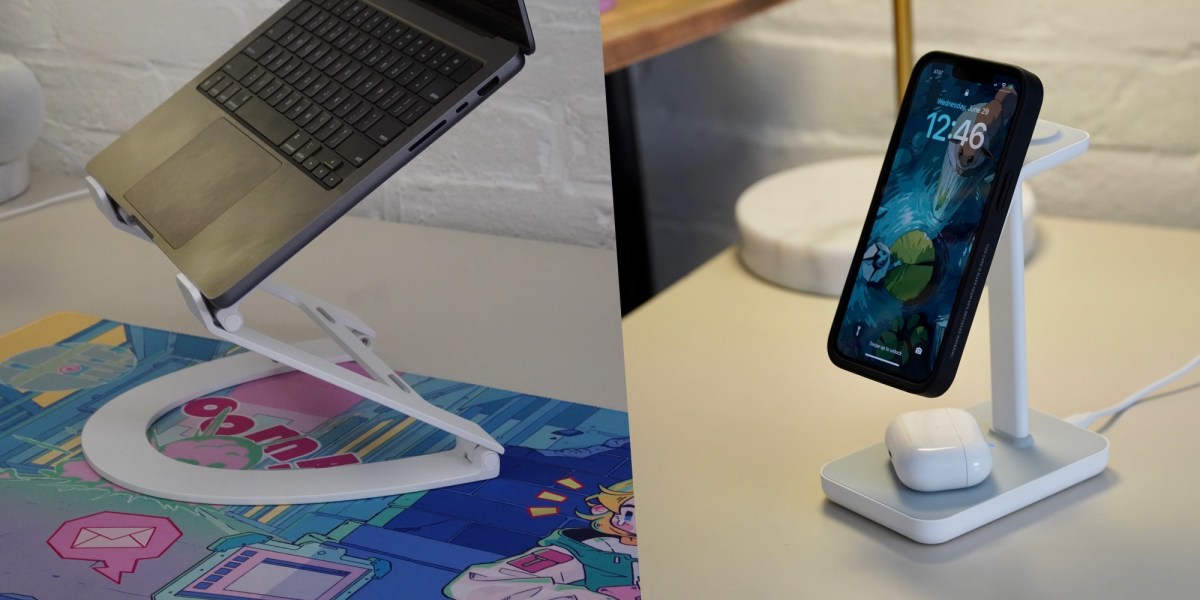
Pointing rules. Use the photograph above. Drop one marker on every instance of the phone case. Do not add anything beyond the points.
(970, 289)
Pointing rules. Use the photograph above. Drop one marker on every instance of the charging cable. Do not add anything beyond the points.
(1086, 420)
(16, 212)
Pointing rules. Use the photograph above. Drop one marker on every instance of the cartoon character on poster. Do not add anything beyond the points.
(594, 563)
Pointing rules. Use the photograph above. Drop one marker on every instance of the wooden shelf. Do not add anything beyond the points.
(639, 29)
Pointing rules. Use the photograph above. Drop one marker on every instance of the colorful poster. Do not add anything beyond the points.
(558, 522)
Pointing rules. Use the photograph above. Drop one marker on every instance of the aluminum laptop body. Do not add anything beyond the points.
(300, 121)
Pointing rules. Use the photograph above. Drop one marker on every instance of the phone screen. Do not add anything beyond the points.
(927, 220)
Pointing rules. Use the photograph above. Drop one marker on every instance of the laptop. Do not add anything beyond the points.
(298, 122)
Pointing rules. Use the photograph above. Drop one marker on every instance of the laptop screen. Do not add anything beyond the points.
(504, 17)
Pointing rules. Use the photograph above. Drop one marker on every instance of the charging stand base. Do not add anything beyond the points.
(1061, 456)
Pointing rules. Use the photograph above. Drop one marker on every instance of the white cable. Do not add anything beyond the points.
(16, 212)
(1085, 420)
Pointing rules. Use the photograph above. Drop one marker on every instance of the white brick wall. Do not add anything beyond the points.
(531, 162)
(813, 79)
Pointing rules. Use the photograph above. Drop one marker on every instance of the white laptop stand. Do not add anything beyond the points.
(1034, 455)
(115, 439)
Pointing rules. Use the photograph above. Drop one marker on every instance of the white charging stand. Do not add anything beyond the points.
(116, 445)
(1034, 455)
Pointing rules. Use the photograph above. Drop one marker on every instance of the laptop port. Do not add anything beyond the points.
(426, 137)
(489, 86)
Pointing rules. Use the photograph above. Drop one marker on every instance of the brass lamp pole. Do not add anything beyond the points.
(902, 11)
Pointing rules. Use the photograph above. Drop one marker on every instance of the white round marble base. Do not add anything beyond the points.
(799, 227)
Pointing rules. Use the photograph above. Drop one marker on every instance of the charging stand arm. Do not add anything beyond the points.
(1006, 288)
(110, 439)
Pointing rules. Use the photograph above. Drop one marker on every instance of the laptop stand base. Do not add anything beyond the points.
(117, 447)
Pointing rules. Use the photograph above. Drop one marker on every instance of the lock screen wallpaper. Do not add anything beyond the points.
(920, 242)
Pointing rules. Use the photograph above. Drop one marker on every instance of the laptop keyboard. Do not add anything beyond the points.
(336, 81)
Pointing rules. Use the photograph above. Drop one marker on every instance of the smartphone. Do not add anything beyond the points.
(937, 212)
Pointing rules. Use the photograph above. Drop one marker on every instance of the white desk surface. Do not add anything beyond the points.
(734, 408)
(522, 315)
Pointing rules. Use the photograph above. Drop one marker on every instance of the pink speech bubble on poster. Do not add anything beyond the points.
(115, 540)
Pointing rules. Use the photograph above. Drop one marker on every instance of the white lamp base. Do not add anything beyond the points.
(14, 179)
(799, 227)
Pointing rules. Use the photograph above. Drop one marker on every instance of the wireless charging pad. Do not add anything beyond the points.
(1059, 456)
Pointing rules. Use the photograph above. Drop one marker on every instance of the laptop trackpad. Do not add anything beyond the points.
(200, 182)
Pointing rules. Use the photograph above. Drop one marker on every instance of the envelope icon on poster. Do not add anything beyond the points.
(113, 537)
